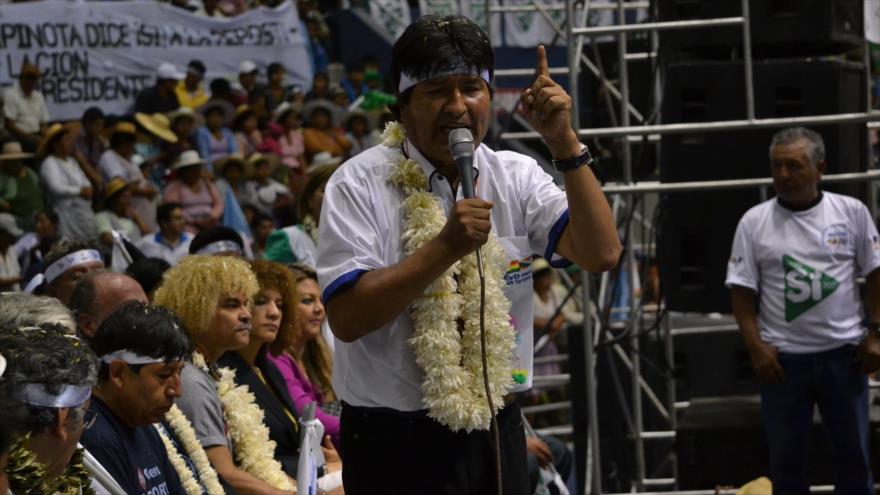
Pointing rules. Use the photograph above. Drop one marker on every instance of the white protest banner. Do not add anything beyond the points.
(394, 15)
(530, 28)
(438, 7)
(103, 53)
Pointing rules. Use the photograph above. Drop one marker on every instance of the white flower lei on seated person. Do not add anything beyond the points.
(254, 451)
(186, 435)
(453, 387)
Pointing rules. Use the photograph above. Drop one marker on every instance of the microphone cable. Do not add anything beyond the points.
(496, 437)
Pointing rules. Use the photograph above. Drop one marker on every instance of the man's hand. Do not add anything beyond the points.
(86, 192)
(766, 363)
(548, 109)
(468, 226)
(556, 324)
(869, 352)
(540, 450)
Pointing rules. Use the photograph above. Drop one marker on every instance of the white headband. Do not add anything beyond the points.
(71, 396)
(2, 365)
(71, 260)
(220, 247)
(407, 80)
(131, 357)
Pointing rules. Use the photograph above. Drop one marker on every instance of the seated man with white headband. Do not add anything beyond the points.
(219, 240)
(52, 374)
(66, 262)
(142, 351)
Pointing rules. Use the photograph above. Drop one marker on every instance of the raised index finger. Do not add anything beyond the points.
(541, 68)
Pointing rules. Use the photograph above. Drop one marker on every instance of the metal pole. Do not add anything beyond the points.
(670, 389)
(573, 64)
(869, 157)
(659, 26)
(714, 126)
(710, 185)
(636, 390)
(592, 409)
(747, 62)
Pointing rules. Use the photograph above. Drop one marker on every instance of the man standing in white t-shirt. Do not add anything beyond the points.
(799, 256)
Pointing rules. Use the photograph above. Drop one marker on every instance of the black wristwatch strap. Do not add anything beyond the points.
(584, 158)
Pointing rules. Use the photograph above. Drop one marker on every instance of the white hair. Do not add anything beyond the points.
(18, 309)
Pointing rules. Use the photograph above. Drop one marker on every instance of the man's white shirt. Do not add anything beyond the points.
(154, 246)
(361, 227)
(804, 266)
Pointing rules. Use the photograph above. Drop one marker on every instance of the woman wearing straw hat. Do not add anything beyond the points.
(118, 162)
(262, 192)
(199, 198)
(67, 187)
(119, 215)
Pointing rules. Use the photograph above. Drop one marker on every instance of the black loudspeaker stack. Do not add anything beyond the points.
(802, 65)
(696, 229)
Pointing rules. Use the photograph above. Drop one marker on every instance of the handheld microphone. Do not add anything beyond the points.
(461, 147)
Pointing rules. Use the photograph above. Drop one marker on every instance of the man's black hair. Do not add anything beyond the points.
(92, 114)
(214, 234)
(274, 67)
(258, 218)
(148, 272)
(164, 211)
(435, 43)
(198, 66)
(143, 329)
(220, 87)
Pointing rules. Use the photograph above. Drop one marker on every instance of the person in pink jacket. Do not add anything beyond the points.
(307, 366)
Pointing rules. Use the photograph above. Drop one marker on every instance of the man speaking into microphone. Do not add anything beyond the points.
(400, 281)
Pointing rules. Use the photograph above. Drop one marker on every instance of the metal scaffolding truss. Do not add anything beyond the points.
(575, 32)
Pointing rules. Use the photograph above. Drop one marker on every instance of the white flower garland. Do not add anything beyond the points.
(186, 435)
(453, 387)
(254, 451)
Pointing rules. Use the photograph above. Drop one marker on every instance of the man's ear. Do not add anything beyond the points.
(59, 429)
(117, 371)
(821, 167)
(86, 325)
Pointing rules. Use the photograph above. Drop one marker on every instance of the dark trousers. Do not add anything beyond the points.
(392, 452)
(832, 381)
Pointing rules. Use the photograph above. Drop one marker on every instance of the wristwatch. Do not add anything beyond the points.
(577, 161)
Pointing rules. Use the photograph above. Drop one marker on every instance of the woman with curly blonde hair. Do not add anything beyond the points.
(306, 363)
(212, 295)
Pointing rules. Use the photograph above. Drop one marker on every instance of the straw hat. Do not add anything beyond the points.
(283, 109)
(324, 159)
(186, 159)
(116, 185)
(12, 151)
(124, 127)
(157, 125)
(270, 158)
(221, 164)
(540, 264)
(184, 112)
(311, 107)
(53, 132)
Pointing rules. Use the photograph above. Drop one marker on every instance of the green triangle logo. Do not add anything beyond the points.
(805, 287)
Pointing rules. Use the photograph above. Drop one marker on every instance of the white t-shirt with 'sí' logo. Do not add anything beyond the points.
(804, 265)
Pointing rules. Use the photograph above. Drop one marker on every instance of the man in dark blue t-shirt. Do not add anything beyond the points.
(142, 351)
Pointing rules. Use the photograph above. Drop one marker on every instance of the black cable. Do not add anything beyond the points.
(496, 440)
